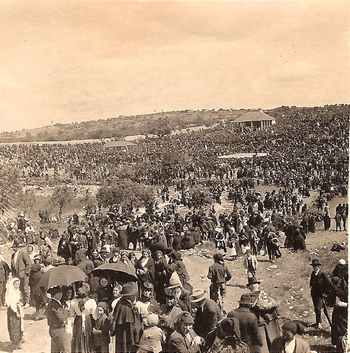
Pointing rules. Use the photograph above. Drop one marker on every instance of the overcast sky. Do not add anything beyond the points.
(64, 61)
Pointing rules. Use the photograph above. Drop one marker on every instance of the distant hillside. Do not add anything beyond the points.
(158, 124)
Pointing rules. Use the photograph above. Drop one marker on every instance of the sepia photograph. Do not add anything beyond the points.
(174, 176)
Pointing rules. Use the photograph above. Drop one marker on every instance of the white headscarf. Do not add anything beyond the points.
(13, 295)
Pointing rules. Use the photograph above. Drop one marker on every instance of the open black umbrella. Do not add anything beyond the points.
(118, 272)
(60, 276)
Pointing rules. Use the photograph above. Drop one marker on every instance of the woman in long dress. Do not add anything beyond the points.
(116, 297)
(14, 312)
(82, 309)
(145, 268)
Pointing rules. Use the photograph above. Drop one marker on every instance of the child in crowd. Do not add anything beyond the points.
(100, 329)
(153, 337)
(250, 263)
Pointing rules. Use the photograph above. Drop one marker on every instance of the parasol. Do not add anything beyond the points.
(118, 272)
(60, 276)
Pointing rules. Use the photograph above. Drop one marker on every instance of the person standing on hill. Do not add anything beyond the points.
(4, 275)
(248, 324)
(320, 286)
(219, 274)
(265, 309)
(57, 316)
(208, 313)
(250, 263)
(337, 219)
(20, 268)
(14, 312)
(327, 221)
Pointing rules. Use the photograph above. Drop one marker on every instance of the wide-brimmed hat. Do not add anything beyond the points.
(252, 280)
(129, 288)
(198, 295)
(315, 262)
(245, 299)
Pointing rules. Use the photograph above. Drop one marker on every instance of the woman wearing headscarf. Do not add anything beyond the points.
(104, 291)
(145, 267)
(82, 309)
(63, 248)
(100, 331)
(177, 265)
(160, 265)
(14, 312)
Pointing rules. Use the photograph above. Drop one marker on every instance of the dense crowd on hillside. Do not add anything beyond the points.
(155, 308)
(151, 279)
(307, 150)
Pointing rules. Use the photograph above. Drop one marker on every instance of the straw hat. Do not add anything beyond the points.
(198, 295)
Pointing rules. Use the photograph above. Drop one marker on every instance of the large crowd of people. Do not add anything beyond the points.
(159, 310)
(307, 149)
(161, 304)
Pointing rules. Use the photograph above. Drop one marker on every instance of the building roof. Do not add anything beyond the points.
(242, 155)
(254, 116)
(118, 144)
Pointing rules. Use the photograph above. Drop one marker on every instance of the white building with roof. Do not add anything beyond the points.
(255, 121)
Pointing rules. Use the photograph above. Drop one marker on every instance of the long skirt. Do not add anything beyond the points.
(14, 326)
(81, 335)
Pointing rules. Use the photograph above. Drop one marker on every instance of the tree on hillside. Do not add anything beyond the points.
(89, 203)
(61, 197)
(10, 187)
(171, 159)
(160, 127)
(28, 201)
(200, 197)
(127, 193)
(125, 172)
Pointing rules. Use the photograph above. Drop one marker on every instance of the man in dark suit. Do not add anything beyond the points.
(248, 324)
(20, 268)
(56, 319)
(320, 286)
(265, 309)
(184, 339)
(208, 313)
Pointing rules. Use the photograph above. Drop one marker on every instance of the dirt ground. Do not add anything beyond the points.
(286, 281)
